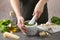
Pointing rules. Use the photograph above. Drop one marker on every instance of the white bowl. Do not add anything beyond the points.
(31, 30)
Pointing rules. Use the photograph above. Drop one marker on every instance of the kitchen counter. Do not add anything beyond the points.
(55, 36)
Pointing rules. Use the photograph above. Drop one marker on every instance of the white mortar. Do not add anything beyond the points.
(31, 30)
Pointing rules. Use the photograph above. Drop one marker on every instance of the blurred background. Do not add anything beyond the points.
(53, 8)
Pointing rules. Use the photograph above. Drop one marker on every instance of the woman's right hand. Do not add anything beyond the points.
(21, 24)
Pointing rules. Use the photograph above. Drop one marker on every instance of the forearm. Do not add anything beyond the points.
(42, 2)
(16, 7)
(39, 8)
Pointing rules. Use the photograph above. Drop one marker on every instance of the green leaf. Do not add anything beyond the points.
(6, 22)
(55, 20)
(4, 28)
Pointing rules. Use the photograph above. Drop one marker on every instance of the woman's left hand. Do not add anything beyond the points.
(38, 11)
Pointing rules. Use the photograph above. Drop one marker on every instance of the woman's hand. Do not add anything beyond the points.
(39, 8)
(21, 24)
(38, 11)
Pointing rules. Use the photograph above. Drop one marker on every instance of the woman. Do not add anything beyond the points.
(25, 9)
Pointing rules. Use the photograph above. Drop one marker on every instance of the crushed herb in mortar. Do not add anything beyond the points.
(27, 23)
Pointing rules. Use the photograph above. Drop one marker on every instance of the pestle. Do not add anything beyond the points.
(32, 21)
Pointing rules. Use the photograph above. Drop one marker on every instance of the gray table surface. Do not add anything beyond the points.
(55, 36)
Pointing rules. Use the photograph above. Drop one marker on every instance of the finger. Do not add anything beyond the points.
(24, 28)
(19, 24)
(36, 15)
(22, 22)
(23, 31)
(39, 13)
(33, 14)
